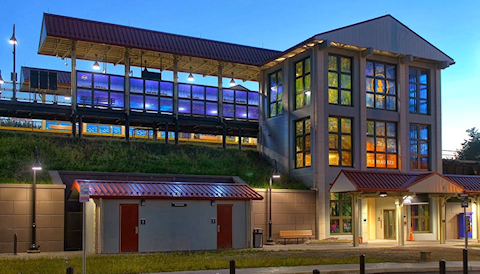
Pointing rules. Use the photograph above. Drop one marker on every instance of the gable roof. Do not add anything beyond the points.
(384, 33)
(471, 183)
(111, 34)
(166, 190)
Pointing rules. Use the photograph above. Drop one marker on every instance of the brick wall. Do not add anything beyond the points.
(16, 217)
(291, 210)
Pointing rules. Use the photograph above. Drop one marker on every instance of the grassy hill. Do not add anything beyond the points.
(105, 154)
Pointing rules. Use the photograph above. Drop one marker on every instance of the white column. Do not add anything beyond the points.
(355, 220)
(400, 228)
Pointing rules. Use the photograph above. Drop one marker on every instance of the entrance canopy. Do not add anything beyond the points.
(373, 181)
(165, 190)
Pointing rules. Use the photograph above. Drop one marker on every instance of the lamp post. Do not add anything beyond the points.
(37, 166)
(275, 175)
(13, 40)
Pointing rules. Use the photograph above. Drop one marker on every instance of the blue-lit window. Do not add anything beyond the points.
(136, 85)
(151, 87)
(136, 102)
(275, 93)
(117, 83)
(166, 104)
(418, 91)
(84, 80)
(116, 130)
(381, 86)
(117, 99)
(419, 149)
(104, 129)
(100, 98)
(84, 97)
(100, 81)
(92, 128)
(166, 89)
(184, 91)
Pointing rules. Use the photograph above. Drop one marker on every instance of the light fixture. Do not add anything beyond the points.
(190, 77)
(232, 82)
(36, 164)
(383, 194)
(66, 62)
(13, 40)
(1, 79)
(96, 66)
(68, 97)
(276, 173)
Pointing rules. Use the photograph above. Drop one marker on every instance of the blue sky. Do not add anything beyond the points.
(452, 26)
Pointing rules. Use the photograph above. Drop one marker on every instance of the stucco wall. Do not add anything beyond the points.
(453, 209)
(291, 210)
(16, 217)
(170, 228)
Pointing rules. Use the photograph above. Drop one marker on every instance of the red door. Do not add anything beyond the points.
(129, 228)
(224, 226)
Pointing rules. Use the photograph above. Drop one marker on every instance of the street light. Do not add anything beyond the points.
(37, 166)
(1, 79)
(275, 175)
(13, 41)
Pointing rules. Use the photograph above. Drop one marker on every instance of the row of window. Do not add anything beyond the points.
(380, 80)
(381, 144)
(341, 215)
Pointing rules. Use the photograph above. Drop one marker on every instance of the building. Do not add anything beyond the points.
(354, 113)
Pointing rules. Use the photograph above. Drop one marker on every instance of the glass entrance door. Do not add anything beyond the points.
(389, 228)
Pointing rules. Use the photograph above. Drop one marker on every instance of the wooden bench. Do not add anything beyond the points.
(295, 234)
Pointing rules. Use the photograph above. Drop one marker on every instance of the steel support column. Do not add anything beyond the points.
(239, 138)
(175, 95)
(166, 132)
(73, 79)
(80, 126)
(127, 94)
(355, 220)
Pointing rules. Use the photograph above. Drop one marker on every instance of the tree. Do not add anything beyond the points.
(470, 147)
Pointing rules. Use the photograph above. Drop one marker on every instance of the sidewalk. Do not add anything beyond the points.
(345, 268)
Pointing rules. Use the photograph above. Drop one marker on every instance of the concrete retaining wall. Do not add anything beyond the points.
(291, 210)
(16, 217)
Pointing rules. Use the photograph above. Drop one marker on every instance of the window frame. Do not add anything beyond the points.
(419, 142)
(304, 135)
(339, 79)
(341, 216)
(374, 92)
(277, 100)
(303, 75)
(418, 84)
(386, 137)
(340, 133)
(427, 219)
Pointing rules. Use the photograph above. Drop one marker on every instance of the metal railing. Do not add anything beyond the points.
(29, 95)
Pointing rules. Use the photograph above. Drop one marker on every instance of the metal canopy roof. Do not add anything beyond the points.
(471, 183)
(166, 190)
(109, 41)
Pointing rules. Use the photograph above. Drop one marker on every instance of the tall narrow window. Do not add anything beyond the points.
(303, 156)
(418, 87)
(340, 213)
(381, 86)
(339, 80)
(381, 144)
(420, 218)
(276, 92)
(419, 150)
(302, 83)
(339, 141)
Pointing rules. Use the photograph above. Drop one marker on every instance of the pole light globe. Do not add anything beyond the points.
(190, 78)
(232, 83)
(96, 66)
(37, 165)
(1, 80)
(13, 41)
(276, 176)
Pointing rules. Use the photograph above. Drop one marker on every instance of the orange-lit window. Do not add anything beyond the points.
(381, 144)
(339, 141)
(303, 156)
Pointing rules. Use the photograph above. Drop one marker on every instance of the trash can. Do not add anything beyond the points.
(257, 238)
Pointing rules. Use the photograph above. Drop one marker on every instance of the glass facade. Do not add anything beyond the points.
(418, 91)
(381, 85)
(303, 93)
(340, 213)
(381, 144)
(340, 144)
(303, 157)
(100, 91)
(276, 93)
(240, 104)
(339, 80)
(419, 147)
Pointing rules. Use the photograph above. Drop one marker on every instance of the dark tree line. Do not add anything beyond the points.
(470, 147)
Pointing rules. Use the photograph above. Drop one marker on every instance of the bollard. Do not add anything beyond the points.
(316, 271)
(70, 270)
(465, 261)
(362, 264)
(443, 267)
(232, 267)
(15, 241)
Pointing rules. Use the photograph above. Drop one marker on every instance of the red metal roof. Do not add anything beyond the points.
(110, 34)
(168, 190)
(380, 181)
(471, 183)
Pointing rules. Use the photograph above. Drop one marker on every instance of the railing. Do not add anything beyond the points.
(42, 96)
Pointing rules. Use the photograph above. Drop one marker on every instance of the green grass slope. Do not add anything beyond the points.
(113, 155)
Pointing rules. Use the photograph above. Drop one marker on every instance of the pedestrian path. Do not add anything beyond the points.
(345, 268)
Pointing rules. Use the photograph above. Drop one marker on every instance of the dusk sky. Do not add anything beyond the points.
(452, 26)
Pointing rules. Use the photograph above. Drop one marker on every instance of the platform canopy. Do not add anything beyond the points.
(375, 181)
(165, 190)
(109, 42)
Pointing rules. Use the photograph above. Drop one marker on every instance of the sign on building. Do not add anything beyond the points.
(84, 193)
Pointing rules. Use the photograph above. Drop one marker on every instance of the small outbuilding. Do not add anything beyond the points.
(146, 216)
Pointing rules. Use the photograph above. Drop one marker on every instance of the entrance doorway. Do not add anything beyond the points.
(224, 226)
(389, 227)
(129, 228)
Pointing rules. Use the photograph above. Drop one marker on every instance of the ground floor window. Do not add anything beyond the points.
(340, 213)
(420, 215)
